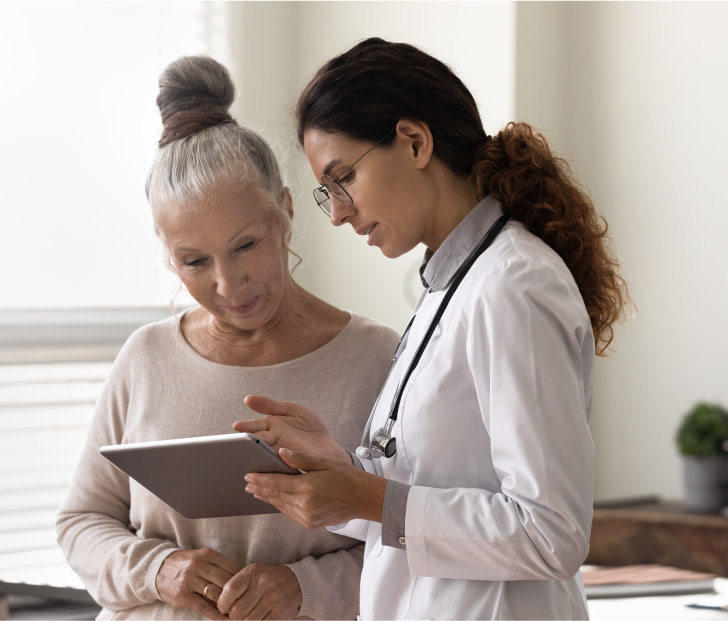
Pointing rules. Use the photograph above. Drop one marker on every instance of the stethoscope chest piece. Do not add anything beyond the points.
(383, 444)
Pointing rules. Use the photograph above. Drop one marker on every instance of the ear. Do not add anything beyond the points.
(418, 138)
(288, 202)
(287, 206)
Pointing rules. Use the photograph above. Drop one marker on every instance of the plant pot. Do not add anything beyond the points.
(705, 482)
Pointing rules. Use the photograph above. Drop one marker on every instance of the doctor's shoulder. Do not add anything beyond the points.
(521, 266)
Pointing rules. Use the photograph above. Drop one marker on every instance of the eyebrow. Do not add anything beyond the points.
(240, 231)
(332, 164)
(229, 241)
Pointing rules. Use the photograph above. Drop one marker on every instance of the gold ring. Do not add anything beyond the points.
(204, 591)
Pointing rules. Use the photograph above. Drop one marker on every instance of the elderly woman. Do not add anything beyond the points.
(221, 209)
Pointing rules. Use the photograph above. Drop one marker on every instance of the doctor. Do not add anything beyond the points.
(473, 484)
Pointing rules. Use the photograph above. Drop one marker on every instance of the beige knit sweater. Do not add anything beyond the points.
(115, 534)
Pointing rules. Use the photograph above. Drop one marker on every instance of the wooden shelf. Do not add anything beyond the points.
(659, 532)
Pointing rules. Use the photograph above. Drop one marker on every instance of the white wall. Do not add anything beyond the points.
(78, 131)
(637, 94)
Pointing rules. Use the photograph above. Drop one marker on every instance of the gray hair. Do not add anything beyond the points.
(203, 149)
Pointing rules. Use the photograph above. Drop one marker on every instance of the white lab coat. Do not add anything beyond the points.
(493, 436)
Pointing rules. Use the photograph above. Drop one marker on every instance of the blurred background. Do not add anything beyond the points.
(633, 93)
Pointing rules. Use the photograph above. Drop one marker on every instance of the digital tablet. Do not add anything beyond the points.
(200, 477)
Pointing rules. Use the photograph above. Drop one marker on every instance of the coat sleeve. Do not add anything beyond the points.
(529, 351)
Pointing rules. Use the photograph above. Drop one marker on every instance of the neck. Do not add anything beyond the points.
(456, 199)
(304, 324)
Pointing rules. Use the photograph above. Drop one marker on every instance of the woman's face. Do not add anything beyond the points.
(231, 255)
(390, 203)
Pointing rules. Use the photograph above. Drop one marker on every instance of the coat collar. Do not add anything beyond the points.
(437, 269)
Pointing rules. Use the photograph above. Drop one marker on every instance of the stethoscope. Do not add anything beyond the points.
(382, 443)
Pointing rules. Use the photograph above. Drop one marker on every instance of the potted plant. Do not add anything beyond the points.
(702, 438)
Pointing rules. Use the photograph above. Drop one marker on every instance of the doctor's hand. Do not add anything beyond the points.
(331, 490)
(261, 592)
(194, 579)
(290, 425)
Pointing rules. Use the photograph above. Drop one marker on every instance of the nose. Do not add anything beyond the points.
(340, 212)
(228, 278)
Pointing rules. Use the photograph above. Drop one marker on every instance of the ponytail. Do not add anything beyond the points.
(538, 189)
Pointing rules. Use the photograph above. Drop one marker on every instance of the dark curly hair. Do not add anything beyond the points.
(365, 91)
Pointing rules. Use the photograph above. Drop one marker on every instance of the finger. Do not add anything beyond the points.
(281, 486)
(212, 580)
(302, 461)
(272, 592)
(251, 426)
(232, 591)
(271, 488)
(213, 566)
(296, 459)
(211, 591)
(209, 610)
(207, 607)
(223, 569)
(287, 493)
(267, 406)
(244, 609)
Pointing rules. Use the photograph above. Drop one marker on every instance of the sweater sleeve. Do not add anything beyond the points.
(93, 525)
(330, 583)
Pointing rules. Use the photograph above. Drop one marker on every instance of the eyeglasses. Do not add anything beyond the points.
(333, 187)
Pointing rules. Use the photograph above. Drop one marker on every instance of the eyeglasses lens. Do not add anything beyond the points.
(321, 196)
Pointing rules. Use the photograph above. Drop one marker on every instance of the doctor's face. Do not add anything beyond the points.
(383, 186)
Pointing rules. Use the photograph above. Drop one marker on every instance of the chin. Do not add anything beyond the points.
(393, 253)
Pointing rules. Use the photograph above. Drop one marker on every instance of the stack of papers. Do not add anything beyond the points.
(643, 580)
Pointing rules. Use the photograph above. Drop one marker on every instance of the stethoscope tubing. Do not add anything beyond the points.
(487, 240)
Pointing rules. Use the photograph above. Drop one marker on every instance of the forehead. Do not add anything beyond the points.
(326, 150)
(223, 210)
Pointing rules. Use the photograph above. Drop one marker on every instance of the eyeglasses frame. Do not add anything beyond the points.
(346, 198)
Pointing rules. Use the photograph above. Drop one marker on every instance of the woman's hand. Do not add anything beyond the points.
(261, 592)
(194, 579)
(292, 426)
(330, 492)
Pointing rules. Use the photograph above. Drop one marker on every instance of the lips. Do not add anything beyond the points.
(366, 230)
(241, 309)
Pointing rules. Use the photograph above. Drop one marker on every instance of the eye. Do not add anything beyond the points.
(245, 246)
(193, 262)
(346, 178)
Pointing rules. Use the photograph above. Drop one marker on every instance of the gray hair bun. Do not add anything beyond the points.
(195, 92)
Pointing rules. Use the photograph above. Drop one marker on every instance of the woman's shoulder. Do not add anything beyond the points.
(345, 328)
(369, 335)
(366, 329)
(156, 335)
